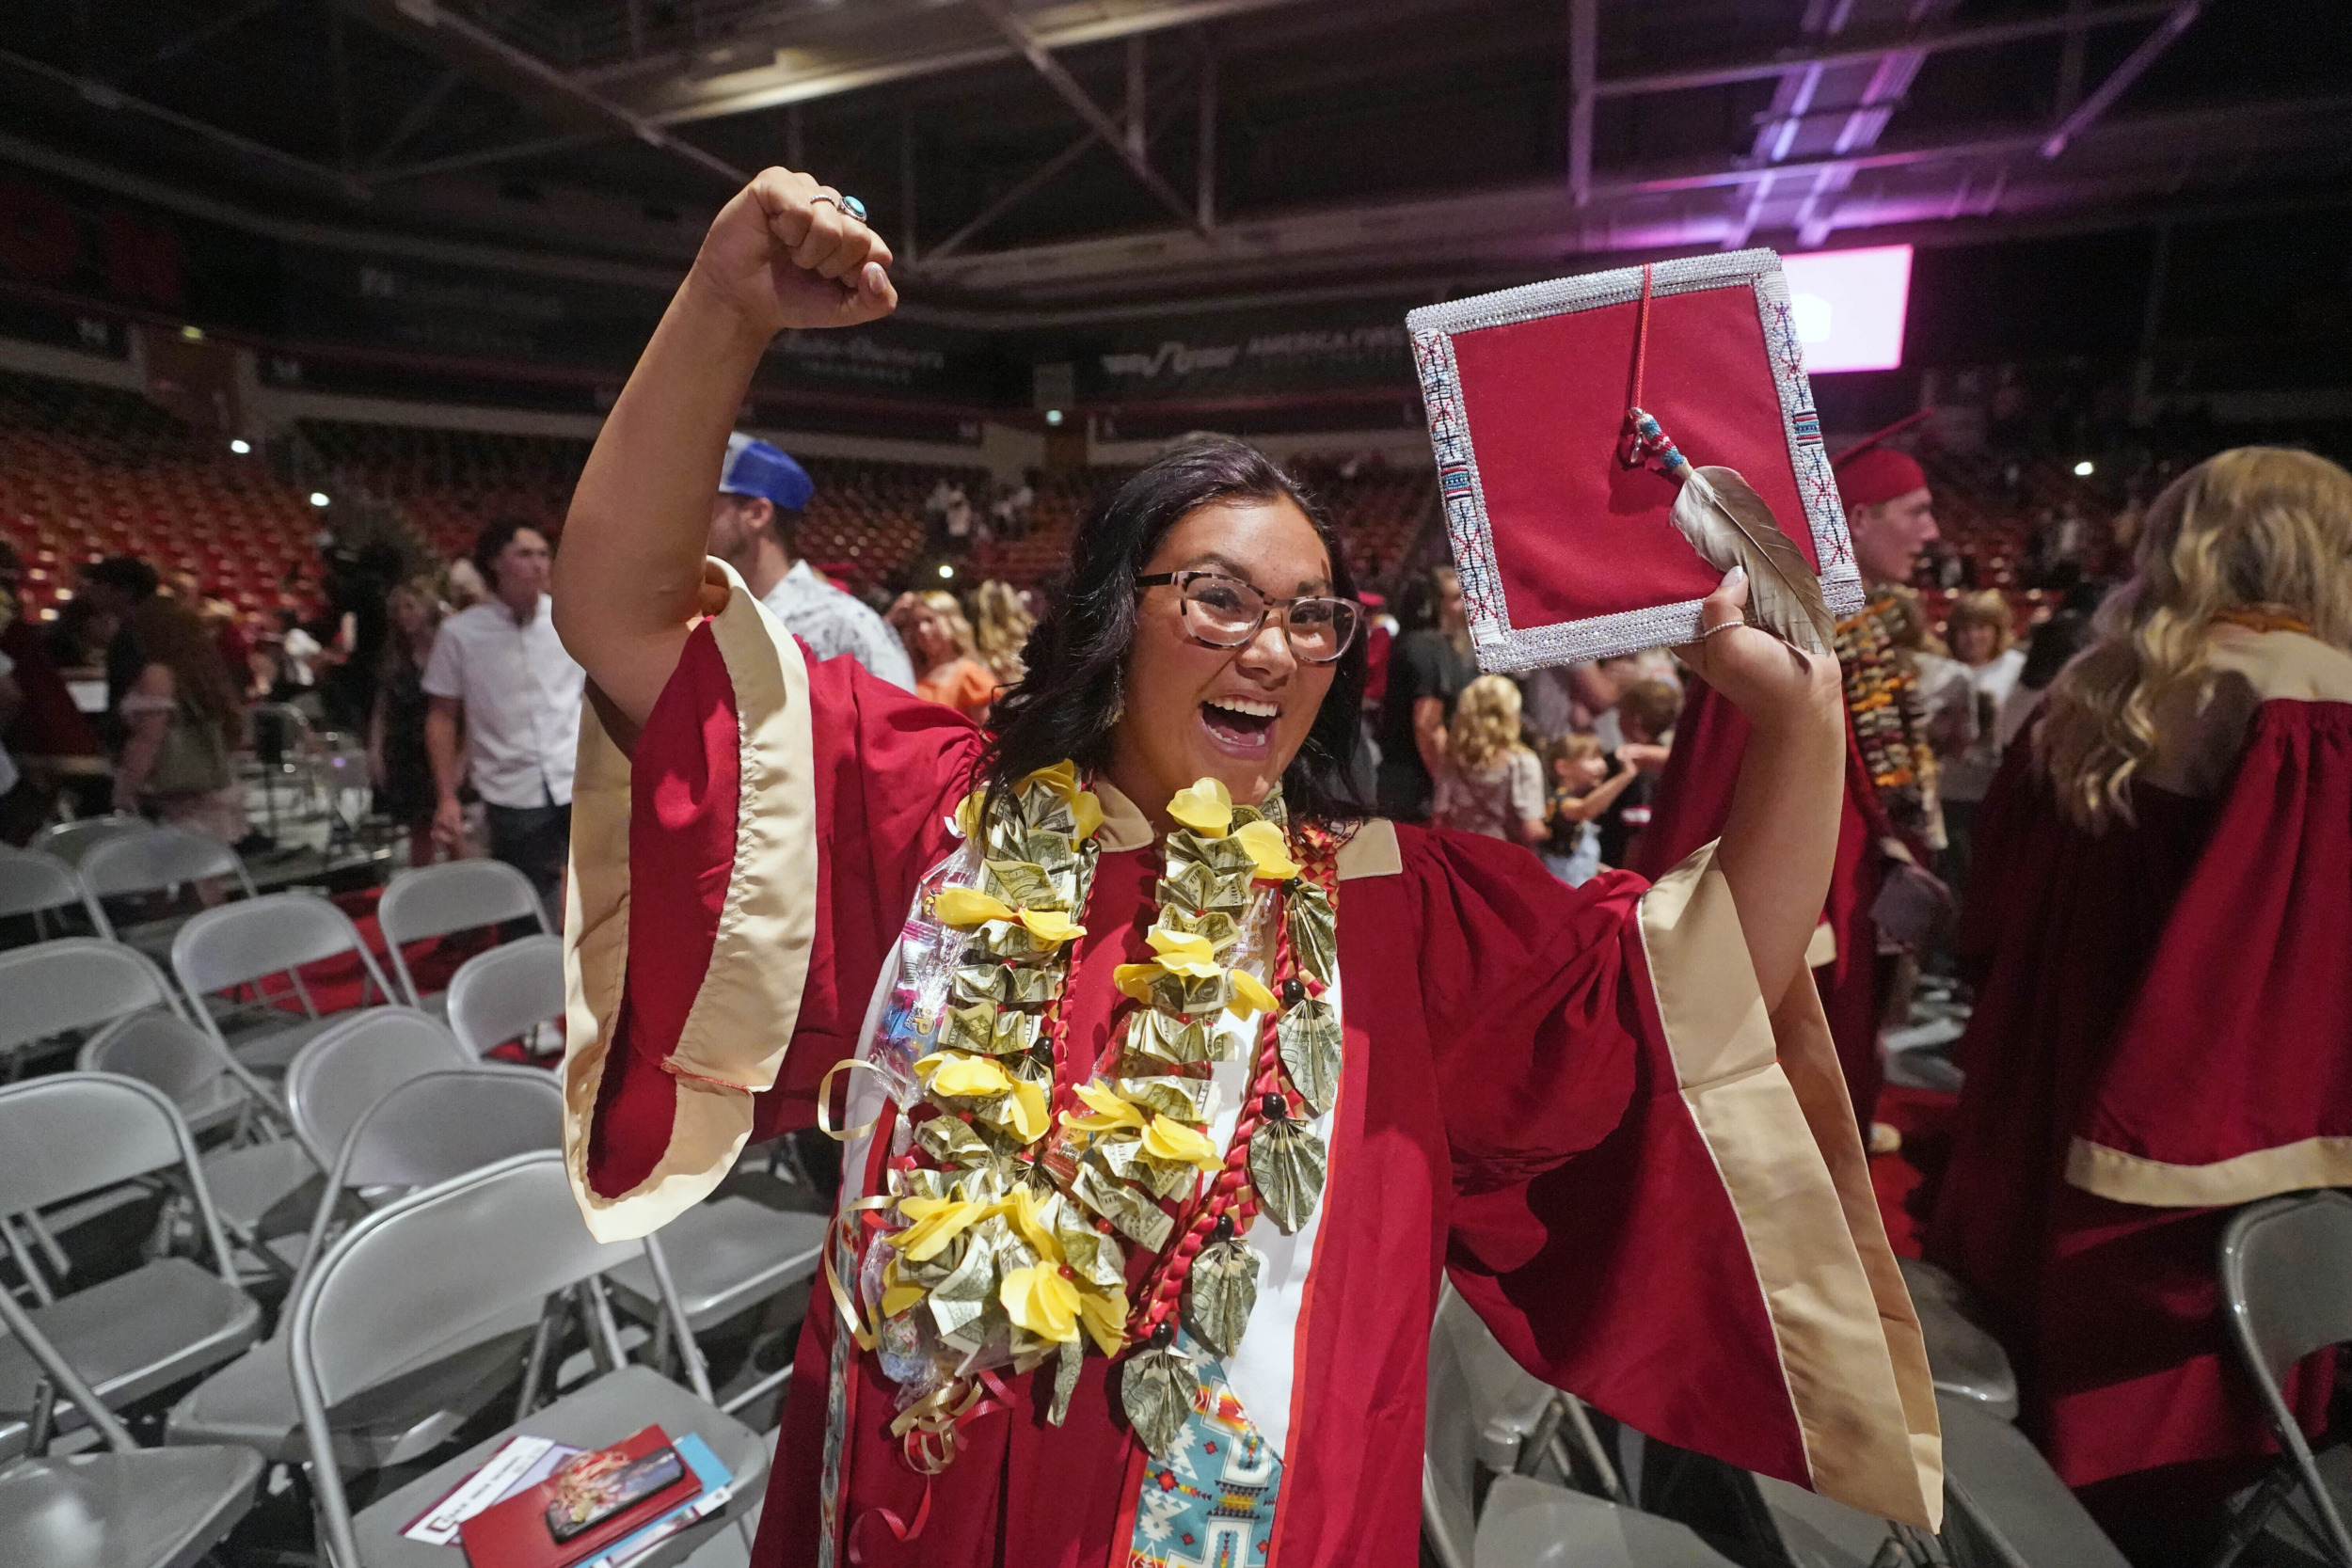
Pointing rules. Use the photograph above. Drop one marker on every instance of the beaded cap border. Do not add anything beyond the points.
(1505, 646)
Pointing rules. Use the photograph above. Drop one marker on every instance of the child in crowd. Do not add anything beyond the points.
(1646, 711)
(1582, 787)
(1487, 781)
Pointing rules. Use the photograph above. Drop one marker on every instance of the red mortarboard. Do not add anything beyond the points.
(1878, 474)
(1567, 553)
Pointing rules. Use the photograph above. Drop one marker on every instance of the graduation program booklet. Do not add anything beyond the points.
(1563, 535)
(591, 1502)
(522, 1460)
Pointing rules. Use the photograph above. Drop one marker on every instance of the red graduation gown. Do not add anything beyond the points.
(1567, 1101)
(1693, 798)
(2163, 1030)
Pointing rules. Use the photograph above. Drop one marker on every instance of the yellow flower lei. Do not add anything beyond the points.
(1008, 1247)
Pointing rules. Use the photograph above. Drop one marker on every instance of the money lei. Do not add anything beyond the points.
(1015, 1245)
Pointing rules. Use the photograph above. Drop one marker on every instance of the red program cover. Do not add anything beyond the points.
(516, 1533)
(1566, 553)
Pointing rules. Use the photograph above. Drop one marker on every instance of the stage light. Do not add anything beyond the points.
(945, 570)
(2083, 469)
(1052, 416)
(318, 497)
(1849, 306)
(241, 446)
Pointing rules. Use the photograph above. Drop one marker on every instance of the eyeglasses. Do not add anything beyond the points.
(1227, 612)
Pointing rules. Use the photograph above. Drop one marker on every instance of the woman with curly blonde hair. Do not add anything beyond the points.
(1000, 628)
(1487, 781)
(2162, 918)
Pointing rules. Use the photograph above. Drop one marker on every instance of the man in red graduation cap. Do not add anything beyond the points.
(1891, 816)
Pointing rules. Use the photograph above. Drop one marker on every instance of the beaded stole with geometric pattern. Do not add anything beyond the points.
(1210, 1503)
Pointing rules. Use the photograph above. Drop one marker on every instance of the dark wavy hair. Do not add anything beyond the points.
(1068, 703)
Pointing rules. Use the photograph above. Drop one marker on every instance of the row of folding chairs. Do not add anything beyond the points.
(264, 939)
(364, 1070)
(394, 1339)
(739, 1252)
(80, 864)
(84, 863)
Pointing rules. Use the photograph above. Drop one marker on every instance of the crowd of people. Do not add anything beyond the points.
(1563, 761)
(452, 676)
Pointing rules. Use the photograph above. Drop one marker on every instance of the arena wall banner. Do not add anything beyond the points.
(1255, 354)
(477, 312)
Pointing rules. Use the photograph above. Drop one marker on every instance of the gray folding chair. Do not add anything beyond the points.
(160, 859)
(433, 1268)
(2004, 1507)
(436, 1126)
(35, 883)
(71, 985)
(339, 1076)
(455, 895)
(1962, 1359)
(507, 992)
(2286, 1289)
(1479, 1509)
(422, 1132)
(210, 1089)
(159, 1324)
(74, 983)
(123, 1508)
(729, 1254)
(1528, 1524)
(70, 841)
(245, 943)
(266, 1193)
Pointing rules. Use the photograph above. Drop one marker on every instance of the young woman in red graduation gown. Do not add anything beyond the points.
(2162, 918)
(1143, 1221)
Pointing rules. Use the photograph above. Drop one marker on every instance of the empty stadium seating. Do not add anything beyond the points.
(87, 471)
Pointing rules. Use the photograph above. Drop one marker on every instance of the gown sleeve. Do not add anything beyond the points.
(1661, 1199)
(737, 881)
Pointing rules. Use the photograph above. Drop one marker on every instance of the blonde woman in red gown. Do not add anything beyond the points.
(2162, 920)
(1142, 1221)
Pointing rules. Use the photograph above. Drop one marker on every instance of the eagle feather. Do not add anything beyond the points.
(1729, 525)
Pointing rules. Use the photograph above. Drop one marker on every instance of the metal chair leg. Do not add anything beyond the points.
(22, 1258)
(48, 1244)
(553, 1314)
(767, 1385)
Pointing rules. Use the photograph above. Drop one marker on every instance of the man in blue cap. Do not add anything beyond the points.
(761, 495)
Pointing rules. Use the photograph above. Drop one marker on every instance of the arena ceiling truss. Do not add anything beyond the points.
(1046, 155)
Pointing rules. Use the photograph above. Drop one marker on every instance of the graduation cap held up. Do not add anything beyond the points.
(1560, 415)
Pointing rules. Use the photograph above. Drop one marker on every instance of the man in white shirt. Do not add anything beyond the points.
(499, 669)
(761, 495)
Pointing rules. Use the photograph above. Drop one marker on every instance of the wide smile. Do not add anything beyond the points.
(1240, 726)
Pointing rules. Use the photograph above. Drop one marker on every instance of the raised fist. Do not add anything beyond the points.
(783, 253)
